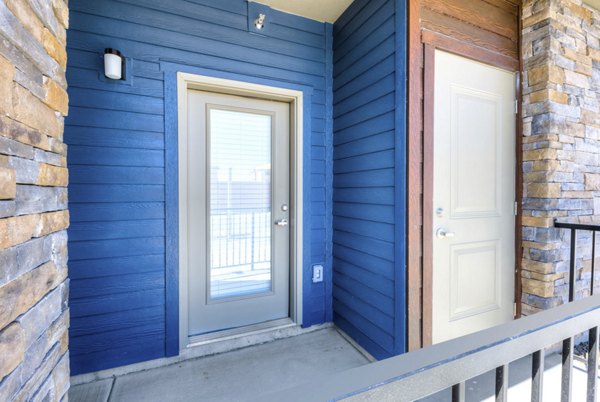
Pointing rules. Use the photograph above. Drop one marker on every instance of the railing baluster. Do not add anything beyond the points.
(567, 369)
(459, 392)
(592, 364)
(502, 383)
(537, 376)
(593, 262)
(572, 265)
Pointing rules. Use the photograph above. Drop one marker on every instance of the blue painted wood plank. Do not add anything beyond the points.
(113, 138)
(319, 153)
(376, 230)
(107, 100)
(89, 250)
(375, 333)
(364, 32)
(373, 195)
(230, 6)
(375, 143)
(106, 156)
(366, 112)
(365, 179)
(364, 80)
(384, 303)
(101, 118)
(81, 174)
(383, 29)
(114, 321)
(377, 248)
(112, 285)
(375, 265)
(119, 302)
(101, 341)
(94, 60)
(376, 213)
(300, 23)
(370, 278)
(401, 332)
(372, 347)
(91, 79)
(379, 53)
(379, 124)
(213, 47)
(182, 18)
(115, 193)
(135, 50)
(354, 10)
(172, 301)
(371, 313)
(116, 212)
(146, 348)
(122, 229)
(115, 266)
(372, 161)
(370, 94)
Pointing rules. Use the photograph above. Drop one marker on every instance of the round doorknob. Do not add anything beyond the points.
(444, 234)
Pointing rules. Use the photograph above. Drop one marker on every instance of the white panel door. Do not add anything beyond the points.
(238, 211)
(473, 196)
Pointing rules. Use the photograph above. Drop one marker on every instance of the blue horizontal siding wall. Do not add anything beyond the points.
(368, 184)
(122, 253)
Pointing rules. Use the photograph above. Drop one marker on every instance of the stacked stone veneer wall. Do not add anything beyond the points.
(561, 163)
(34, 318)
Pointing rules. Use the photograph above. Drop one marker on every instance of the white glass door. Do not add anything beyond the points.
(238, 186)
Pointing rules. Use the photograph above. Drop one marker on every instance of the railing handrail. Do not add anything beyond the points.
(432, 369)
(577, 226)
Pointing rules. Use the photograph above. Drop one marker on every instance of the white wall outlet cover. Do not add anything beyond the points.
(317, 273)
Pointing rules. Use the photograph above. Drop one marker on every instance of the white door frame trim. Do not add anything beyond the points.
(185, 82)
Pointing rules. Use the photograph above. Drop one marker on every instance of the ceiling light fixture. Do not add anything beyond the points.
(259, 23)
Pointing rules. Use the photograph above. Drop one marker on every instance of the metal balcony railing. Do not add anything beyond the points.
(451, 364)
(574, 229)
(240, 237)
(427, 371)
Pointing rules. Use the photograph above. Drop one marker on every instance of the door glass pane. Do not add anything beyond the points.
(240, 203)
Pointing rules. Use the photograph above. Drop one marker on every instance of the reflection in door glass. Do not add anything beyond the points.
(240, 203)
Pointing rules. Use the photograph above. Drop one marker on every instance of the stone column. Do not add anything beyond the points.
(34, 364)
(561, 144)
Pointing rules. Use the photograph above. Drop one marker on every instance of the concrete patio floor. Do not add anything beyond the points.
(248, 373)
(234, 376)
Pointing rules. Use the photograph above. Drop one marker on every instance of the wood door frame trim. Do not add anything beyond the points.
(476, 53)
(422, 46)
(414, 236)
(428, 130)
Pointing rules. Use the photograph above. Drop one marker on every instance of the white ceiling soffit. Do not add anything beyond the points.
(593, 3)
(320, 10)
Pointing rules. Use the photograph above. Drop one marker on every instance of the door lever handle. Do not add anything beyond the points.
(443, 234)
(282, 222)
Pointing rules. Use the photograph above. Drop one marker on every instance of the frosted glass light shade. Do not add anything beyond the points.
(113, 64)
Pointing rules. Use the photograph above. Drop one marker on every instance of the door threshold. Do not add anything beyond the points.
(240, 332)
(239, 338)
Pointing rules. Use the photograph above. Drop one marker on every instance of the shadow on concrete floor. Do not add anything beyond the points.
(234, 376)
